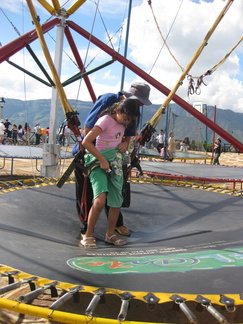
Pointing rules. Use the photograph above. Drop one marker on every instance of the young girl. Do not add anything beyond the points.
(14, 131)
(172, 145)
(107, 178)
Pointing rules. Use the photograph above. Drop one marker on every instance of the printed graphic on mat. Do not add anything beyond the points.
(202, 260)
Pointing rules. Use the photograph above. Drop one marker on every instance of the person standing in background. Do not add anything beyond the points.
(2, 130)
(160, 140)
(217, 150)
(67, 134)
(37, 130)
(27, 130)
(7, 124)
(14, 132)
(20, 132)
(171, 145)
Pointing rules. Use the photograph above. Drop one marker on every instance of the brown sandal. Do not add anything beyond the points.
(123, 230)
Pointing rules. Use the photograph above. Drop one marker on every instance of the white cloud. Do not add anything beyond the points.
(190, 28)
(224, 86)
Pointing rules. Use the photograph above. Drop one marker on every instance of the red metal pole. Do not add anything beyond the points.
(13, 47)
(80, 63)
(182, 103)
(213, 139)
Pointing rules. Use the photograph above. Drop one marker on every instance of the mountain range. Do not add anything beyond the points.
(175, 119)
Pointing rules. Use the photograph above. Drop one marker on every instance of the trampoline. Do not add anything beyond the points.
(182, 262)
(14, 152)
(185, 249)
(178, 156)
(186, 170)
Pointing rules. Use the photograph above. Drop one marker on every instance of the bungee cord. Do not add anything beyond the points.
(157, 116)
(195, 82)
(24, 86)
(164, 39)
(87, 51)
(210, 72)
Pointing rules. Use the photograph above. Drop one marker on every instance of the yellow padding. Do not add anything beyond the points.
(164, 297)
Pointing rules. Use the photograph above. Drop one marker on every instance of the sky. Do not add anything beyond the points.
(183, 23)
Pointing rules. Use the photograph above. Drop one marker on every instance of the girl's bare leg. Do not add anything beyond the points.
(94, 214)
(112, 220)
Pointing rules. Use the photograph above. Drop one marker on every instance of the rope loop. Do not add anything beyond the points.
(191, 89)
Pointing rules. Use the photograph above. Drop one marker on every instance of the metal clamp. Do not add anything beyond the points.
(229, 302)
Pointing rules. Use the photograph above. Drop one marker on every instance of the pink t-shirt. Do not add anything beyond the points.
(111, 135)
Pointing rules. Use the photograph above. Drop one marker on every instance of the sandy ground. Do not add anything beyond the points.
(28, 169)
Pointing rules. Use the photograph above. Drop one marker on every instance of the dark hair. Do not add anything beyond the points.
(129, 107)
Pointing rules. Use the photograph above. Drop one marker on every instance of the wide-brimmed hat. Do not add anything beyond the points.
(139, 91)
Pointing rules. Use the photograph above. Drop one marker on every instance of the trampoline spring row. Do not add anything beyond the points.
(23, 184)
(193, 185)
(72, 291)
(202, 180)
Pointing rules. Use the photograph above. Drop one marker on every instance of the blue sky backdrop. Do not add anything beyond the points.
(184, 24)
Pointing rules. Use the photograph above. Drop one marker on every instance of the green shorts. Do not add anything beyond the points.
(109, 183)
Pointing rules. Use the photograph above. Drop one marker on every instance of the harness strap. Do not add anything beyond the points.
(83, 215)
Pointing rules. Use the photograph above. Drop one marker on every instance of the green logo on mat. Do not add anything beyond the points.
(120, 264)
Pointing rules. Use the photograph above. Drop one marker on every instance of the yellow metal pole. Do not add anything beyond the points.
(54, 315)
(75, 6)
(155, 119)
(47, 6)
(56, 5)
(62, 96)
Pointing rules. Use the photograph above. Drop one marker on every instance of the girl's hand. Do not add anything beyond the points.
(104, 165)
(123, 147)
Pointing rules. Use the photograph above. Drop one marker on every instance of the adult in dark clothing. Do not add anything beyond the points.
(140, 93)
(37, 130)
(7, 130)
(61, 134)
(161, 140)
(217, 151)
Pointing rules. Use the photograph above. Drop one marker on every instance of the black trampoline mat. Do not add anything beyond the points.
(27, 152)
(183, 240)
(193, 170)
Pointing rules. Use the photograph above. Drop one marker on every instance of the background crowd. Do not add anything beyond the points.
(11, 133)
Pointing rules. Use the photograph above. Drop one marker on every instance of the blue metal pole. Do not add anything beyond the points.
(166, 132)
(126, 43)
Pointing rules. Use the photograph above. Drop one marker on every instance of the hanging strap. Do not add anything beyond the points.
(83, 215)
